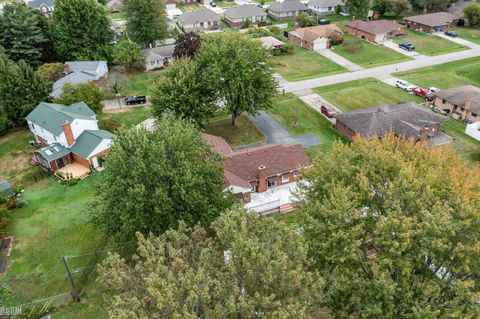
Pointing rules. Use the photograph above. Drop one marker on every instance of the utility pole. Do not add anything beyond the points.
(74, 292)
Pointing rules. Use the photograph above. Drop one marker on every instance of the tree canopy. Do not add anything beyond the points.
(89, 93)
(394, 229)
(146, 21)
(152, 180)
(250, 268)
(187, 45)
(51, 72)
(127, 53)
(472, 13)
(357, 8)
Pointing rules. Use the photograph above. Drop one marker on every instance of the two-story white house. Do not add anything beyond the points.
(67, 134)
(323, 7)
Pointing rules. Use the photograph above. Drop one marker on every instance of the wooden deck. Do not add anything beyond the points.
(74, 170)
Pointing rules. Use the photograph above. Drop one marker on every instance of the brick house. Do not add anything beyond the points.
(237, 17)
(314, 38)
(67, 134)
(286, 10)
(431, 22)
(374, 31)
(200, 20)
(461, 102)
(408, 120)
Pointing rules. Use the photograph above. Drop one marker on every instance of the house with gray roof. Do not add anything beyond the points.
(322, 7)
(239, 17)
(67, 134)
(461, 102)
(286, 10)
(77, 72)
(46, 7)
(158, 57)
(408, 120)
(431, 22)
(200, 20)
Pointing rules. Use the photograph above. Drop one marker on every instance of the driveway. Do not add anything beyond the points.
(315, 101)
(340, 60)
(277, 134)
(412, 54)
(458, 40)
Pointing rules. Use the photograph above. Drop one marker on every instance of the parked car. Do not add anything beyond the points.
(404, 85)
(133, 100)
(323, 21)
(213, 4)
(328, 110)
(433, 89)
(406, 46)
(452, 34)
(426, 94)
(260, 6)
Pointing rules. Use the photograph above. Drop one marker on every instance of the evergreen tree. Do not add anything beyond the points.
(146, 21)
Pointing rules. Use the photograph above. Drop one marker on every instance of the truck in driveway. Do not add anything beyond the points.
(134, 100)
(406, 46)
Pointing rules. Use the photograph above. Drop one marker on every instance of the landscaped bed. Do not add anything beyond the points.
(367, 54)
(446, 75)
(364, 93)
(244, 133)
(429, 44)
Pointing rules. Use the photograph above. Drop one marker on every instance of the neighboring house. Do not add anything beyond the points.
(286, 10)
(46, 7)
(431, 22)
(157, 58)
(314, 38)
(170, 4)
(271, 43)
(67, 134)
(473, 130)
(265, 176)
(119, 27)
(461, 102)
(374, 31)
(322, 7)
(200, 20)
(114, 5)
(78, 72)
(408, 120)
(204, 2)
(237, 17)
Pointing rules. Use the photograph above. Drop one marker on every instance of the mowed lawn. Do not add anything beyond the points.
(429, 44)
(368, 54)
(303, 64)
(446, 75)
(244, 133)
(299, 119)
(464, 145)
(469, 34)
(364, 93)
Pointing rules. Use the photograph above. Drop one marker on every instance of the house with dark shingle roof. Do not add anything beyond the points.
(237, 17)
(46, 7)
(200, 20)
(77, 72)
(67, 134)
(431, 22)
(286, 10)
(374, 31)
(408, 120)
(462, 102)
(158, 57)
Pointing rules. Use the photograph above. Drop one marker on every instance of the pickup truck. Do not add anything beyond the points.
(133, 100)
(426, 94)
(406, 46)
(451, 34)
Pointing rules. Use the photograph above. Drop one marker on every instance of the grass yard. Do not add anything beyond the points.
(226, 4)
(131, 83)
(368, 54)
(303, 64)
(364, 93)
(117, 16)
(135, 116)
(466, 146)
(244, 133)
(429, 44)
(299, 119)
(469, 34)
(446, 75)
(190, 7)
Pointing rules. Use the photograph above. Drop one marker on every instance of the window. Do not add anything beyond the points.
(474, 114)
(444, 101)
(329, 8)
(295, 173)
(271, 183)
(285, 178)
(201, 24)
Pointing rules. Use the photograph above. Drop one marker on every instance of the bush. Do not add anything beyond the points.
(274, 29)
(110, 125)
(286, 49)
(336, 39)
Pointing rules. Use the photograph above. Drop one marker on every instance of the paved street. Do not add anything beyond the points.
(340, 60)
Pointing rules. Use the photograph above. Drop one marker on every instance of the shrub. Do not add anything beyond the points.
(336, 39)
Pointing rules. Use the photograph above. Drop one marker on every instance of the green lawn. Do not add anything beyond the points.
(112, 121)
(464, 145)
(303, 64)
(141, 83)
(226, 4)
(368, 54)
(364, 93)
(190, 7)
(244, 133)
(446, 75)
(469, 34)
(429, 44)
(117, 16)
(299, 119)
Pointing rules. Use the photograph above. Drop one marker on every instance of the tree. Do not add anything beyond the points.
(472, 13)
(303, 20)
(21, 89)
(22, 33)
(81, 28)
(181, 90)
(146, 21)
(51, 72)
(393, 228)
(238, 69)
(127, 53)
(431, 5)
(176, 177)
(89, 93)
(187, 45)
(251, 268)
(357, 8)
(398, 7)
(380, 5)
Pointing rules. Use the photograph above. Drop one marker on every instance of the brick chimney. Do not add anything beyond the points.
(67, 129)
(424, 134)
(468, 104)
(68, 69)
(262, 179)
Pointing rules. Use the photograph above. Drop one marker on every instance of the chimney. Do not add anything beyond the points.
(424, 134)
(67, 129)
(468, 104)
(68, 69)
(262, 179)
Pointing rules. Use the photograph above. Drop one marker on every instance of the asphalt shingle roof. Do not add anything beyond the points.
(375, 27)
(324, 3)
(434, 19)
(86, 142)
(460, 95)
(245, 11)
(164, 51)
(198, 16)
(287, 6)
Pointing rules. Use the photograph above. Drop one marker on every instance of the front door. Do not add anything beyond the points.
(95, 162)
(60, 163)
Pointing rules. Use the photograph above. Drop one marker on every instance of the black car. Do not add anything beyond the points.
(133, 100)
(213, 4)
(323, 21)
(452, 34)
(406, 46)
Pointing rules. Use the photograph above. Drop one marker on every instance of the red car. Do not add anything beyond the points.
(328, 110)
(426, 94)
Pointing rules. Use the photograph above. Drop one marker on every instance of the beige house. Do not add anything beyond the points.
(461, 102)
(157, 58)
(237, 17)
(286, 10)
(200, 20)
(314, 38)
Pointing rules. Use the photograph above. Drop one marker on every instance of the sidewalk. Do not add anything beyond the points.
(340, 60)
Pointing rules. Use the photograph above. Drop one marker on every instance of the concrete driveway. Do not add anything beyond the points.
(340, 60)
(315, 101)
(277, 134)
(412, 54)
(458, 40)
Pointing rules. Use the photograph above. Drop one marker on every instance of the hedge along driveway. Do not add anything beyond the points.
(429, 44)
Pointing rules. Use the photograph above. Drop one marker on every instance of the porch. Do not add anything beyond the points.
(276, 199)
(72, 171)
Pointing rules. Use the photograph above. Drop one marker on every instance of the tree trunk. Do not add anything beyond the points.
(234, 119)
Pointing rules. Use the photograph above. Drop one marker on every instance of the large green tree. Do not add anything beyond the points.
(51, 72)
(81, 28)
(357, 8)
(472, 13)
(238, 69)
(394, 228)
(251, 268)
(182, 91)
(152, 180)
(431, 5)
(127, 53)
(187, 45)
(146, 21)
(89, 93)
(22, 33)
